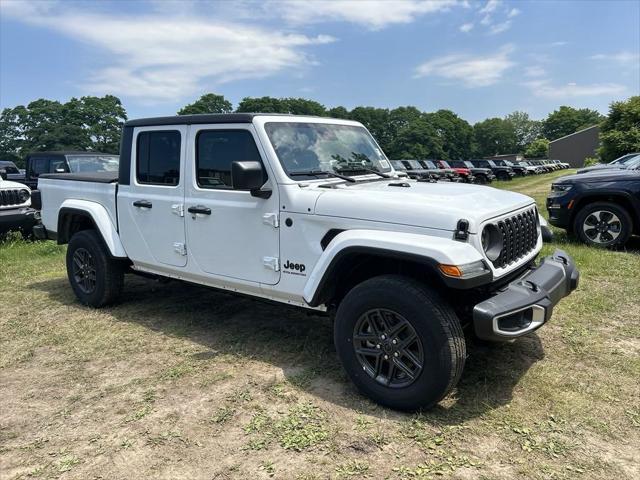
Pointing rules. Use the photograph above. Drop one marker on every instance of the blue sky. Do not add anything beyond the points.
(479, 59)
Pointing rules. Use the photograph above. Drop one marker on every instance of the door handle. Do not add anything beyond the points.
(142, 204)
(199, 209)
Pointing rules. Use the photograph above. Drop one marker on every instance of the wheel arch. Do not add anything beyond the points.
(619, 198)
(74, 217)
(354, 256)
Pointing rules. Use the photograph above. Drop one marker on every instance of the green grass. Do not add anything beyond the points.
(183, 381)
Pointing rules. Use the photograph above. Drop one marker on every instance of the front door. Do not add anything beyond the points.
(150, 208)
(230, 233)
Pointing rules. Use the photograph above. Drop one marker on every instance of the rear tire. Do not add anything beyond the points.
(429, 342)
(603, 224)
(481, 180)
(95, 277)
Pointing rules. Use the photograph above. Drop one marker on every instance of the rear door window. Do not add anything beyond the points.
(158, 157)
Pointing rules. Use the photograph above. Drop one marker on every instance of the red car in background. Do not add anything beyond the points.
(465, 173)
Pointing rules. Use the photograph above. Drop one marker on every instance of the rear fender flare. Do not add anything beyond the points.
(101, 221)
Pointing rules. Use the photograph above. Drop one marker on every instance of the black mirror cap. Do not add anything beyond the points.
(247, 175)
(36, 200)
(3, 174)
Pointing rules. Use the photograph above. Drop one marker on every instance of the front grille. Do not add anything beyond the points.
(519, 237)
(9, 197)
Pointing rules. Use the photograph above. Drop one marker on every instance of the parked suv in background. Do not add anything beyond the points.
(517, 169)
(464, 172)
(482, 175)
(601, 208)
(626, 161)
(416, 168)
(502, 173)
(15, 207)
(12, 171)
(416, 174)
(67, 162)
(448, 173)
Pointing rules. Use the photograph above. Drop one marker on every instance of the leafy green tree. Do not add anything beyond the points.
(527, 130)
(620, 132)
(568, 120)
(338, 112)
(539, 148)
(101, 118)
(456, 135)
(295, 106)
(88, 123)
(417, 140)
(494, 136)
(207, 103)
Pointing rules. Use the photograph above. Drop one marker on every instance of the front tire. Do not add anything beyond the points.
(603, 224)
(399, 342)
(95, 277)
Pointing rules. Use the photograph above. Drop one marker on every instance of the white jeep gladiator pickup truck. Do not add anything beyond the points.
(309, 212)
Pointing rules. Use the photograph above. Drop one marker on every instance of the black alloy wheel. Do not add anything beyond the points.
(388, 348)
(84, 270)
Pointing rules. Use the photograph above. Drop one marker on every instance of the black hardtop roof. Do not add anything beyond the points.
(68, 152)
(205, 118)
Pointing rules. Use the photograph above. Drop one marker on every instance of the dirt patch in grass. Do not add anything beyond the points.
(180, 381)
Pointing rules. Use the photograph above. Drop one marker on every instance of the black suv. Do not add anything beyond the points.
(482, 175)
(448, 173)
(602, 209)
(517, 169)
(65, 162)
(503, 173)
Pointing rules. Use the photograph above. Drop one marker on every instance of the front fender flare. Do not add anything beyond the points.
(430, 249)
(101, 220)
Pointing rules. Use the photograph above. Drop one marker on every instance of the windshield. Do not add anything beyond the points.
(312, 147)
(468, 164)
(430, 164)
(398, 165)
(93, 163)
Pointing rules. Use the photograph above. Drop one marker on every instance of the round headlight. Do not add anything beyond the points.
(491, 242)
(24, 195)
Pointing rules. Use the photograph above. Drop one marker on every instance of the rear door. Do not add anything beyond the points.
(150, 208)
(235, 234)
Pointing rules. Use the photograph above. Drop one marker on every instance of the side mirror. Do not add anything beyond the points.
(3, 174)
(249, 176)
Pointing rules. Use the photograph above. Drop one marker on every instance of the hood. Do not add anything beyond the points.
(601, 175)
(603, 166)
(5, 184)
(429, 205)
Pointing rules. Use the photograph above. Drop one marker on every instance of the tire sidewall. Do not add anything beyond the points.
(89, 241)
(436, 373)
(620, 212)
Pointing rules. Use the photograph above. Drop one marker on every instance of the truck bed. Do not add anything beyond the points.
(71, 189)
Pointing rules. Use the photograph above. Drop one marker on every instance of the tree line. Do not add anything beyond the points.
(94, 123)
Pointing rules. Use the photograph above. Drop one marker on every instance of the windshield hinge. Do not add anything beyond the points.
(271, 219)
(272, 262)
(178, 209)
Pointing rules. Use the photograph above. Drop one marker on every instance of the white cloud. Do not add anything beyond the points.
(159, 57)
(623, 58)
(373, 14)
(534, 71)
(514, 12)
(467, 27)
(500, 27)
(490, 6)
(486, 20)
(470, 70)
(545, 89)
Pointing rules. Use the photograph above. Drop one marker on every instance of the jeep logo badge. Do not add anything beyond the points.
(294, 268)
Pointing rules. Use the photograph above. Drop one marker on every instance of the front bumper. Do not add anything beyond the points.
(22, 219)
(525, 304)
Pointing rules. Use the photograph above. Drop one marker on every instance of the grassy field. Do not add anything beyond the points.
(183, 382)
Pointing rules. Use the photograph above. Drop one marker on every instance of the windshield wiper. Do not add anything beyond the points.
(316, 173)
(368, 170)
